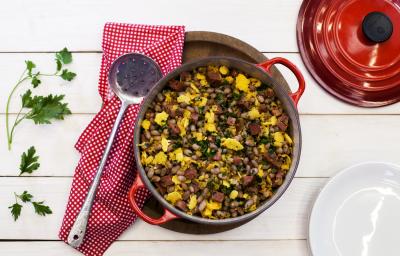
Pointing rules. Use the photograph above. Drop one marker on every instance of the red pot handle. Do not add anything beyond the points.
(302, 85)
(167, 216)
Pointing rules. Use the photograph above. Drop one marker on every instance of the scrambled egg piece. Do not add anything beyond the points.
(161, 118)
(211, 205)
(255, 82)
(194, 88)
(272, 121)
(182, 124)
(210, 117)
(202, 79)
(200, 76)
(146, 124)
(198, 136)
(168, 97)
(164, 144)
(160, 158)
(210, 126)
(288, 139)
(252, 208)
(229, 79)
(233, 194)
(288, 162)
(223, 70)
(192, 202)
(184, 98)
(173, 197)
(278, 139)
(254, 114)
(260, 172)
(242, 83)
(146, 160)
(202, 102)
(232, 144)
(187, 113)
(226, 183)
(175, 180)
(177, 155)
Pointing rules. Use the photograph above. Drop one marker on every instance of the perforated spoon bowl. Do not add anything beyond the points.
(131, 78)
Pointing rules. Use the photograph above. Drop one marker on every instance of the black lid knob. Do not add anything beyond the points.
(377, 27)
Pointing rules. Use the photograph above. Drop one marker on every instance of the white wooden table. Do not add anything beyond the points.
(335, 135)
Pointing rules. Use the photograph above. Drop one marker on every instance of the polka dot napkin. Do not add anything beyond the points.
(111, 212)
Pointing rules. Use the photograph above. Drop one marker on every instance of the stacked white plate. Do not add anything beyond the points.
(357, 213)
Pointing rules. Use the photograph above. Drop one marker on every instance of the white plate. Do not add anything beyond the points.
(357, 213)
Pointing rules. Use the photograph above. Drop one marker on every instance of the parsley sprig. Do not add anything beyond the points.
(25, 197)
(29, 161)
(41, 109)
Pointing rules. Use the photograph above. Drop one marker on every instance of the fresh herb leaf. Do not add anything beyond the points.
(64, 56)
(265, 140)
(44, 109)
(27, 99)
(30, 66)
(35, 81)
(25, 197)
(236, 96)
(41, 209)
(15, 210)
(59, 65)
(218, 142)
(29, 162)
(201, 110)
(67, 75)
(226, 190)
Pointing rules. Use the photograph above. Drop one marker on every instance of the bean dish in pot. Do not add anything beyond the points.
(215, 142)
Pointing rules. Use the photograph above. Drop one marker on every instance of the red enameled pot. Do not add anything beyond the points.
(352, 48)
(260, 71)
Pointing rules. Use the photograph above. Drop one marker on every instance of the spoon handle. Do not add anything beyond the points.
(78, 230)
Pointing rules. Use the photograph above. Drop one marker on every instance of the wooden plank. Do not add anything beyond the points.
(82, 94)
(177, 248)
(28, 26)
(330, 143)
(287, 219)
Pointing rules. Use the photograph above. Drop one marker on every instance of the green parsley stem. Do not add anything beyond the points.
(20, 80)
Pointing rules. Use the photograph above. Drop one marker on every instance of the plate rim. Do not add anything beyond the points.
(329, 182)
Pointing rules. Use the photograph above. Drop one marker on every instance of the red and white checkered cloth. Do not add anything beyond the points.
(111, 212)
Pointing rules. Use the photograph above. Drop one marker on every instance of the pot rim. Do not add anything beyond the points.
(288, 105)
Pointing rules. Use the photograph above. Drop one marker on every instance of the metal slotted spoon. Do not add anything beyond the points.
(131, 78)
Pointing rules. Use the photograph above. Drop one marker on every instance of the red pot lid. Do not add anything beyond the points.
(352, 48)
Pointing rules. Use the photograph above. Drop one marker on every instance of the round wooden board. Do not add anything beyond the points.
(200, 44)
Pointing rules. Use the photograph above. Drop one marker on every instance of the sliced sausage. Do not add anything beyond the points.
(272, 160)
(181, 205)
(218, 197)
(174, 129)
(247, 180)
(177, 86)
(185, 76)
(254, 129)
(166, 181)
(276, 112)
(213, 77)
(191, 173)
(237, 160)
